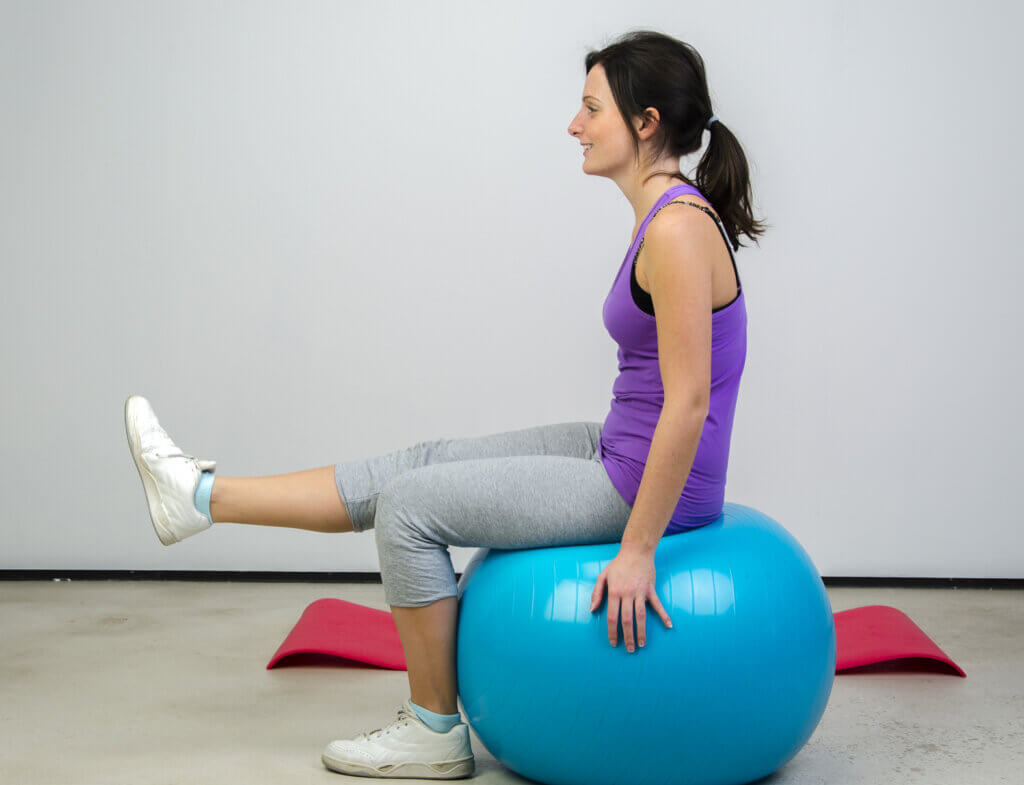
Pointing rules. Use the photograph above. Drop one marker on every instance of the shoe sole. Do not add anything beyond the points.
(451, 770)
(152, 497)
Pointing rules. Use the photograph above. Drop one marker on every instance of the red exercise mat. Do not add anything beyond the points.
(878, 633)
(864, 636)
(344, 629)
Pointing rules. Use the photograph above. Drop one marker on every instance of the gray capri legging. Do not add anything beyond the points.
(532, 488)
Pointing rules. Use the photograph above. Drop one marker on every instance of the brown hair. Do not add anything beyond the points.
(646, 68)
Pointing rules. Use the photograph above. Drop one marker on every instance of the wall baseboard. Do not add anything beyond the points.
(374, 577)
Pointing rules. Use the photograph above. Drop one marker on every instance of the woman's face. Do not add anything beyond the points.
(598, 123)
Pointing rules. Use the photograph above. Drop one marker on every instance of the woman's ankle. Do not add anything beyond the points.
(204, 494)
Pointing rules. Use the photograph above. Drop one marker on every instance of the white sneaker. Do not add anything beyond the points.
(405, 748)
(168, 475)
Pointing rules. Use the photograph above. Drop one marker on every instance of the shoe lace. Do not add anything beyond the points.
(404, 716)
(204, 464)
(167, 452)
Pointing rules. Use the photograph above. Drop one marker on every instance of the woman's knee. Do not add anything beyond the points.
(393, 520)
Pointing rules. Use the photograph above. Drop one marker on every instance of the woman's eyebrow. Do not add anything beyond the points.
(590, 96)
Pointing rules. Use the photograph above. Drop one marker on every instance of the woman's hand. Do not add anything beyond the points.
(629, 578)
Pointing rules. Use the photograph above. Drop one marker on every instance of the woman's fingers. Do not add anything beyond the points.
(595, 596)
(633, 612)
(613, 618)
(627, 622)
(641, 620)
(656, 603)
(629, 609)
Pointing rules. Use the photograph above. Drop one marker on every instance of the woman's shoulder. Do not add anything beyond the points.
(696, 200)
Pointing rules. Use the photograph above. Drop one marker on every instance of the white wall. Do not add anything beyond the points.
(311, 232)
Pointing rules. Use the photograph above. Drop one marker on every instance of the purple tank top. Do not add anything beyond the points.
(638, 395)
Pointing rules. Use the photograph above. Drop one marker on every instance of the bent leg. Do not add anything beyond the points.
(515, 502)
(510, 503)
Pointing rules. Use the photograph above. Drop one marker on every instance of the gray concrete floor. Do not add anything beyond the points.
(144, 682)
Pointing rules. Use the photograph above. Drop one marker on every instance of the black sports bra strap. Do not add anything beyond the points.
(718, 223)
(714, 217)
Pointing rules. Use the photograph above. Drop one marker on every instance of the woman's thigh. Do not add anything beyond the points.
(360, 482)
(509, 502)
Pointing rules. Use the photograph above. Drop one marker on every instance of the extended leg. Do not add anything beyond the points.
(299, 500)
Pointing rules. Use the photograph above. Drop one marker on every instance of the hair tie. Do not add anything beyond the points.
(713, 118)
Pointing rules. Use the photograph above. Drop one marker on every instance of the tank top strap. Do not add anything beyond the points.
(667, 198)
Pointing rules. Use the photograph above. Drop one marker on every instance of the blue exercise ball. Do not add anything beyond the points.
(728, 695)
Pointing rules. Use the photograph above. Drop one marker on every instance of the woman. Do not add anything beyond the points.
(656, 465)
